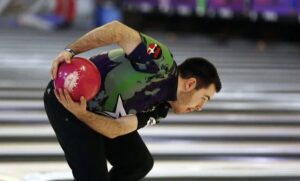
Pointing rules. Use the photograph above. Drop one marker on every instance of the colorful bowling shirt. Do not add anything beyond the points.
(140, 83)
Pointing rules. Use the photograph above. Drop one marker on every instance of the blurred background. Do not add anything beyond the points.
(250, 131)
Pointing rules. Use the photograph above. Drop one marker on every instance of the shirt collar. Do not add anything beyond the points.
(172, 86)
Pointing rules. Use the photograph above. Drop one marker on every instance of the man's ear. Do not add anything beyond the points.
(190, 84)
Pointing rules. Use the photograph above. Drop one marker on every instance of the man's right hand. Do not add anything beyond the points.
(62, 56)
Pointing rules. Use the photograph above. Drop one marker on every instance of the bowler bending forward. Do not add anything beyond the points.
(140, 83)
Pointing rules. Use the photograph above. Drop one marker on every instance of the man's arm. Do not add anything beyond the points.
(114, 32)
(108, 127)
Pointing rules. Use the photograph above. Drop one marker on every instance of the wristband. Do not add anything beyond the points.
(71, 51)
(153, 116)
(146, 119)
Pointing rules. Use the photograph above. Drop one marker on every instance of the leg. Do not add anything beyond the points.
(129, 156)
(83, 147)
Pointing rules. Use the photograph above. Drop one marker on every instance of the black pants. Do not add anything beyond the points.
(87, 151)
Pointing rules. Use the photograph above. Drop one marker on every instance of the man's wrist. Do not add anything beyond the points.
(82, 115)
(71, 51)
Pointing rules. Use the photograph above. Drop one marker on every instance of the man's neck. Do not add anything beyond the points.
(179, 88)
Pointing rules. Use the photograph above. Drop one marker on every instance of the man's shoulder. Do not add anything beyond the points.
(156, 49)
(152, 56)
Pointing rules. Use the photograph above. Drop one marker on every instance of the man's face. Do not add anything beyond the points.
(193, 100)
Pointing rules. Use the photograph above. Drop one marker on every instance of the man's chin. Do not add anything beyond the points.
(179, 111)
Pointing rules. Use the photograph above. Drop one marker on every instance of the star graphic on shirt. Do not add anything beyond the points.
(119, 111)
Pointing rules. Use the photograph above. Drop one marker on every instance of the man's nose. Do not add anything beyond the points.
(199, 107)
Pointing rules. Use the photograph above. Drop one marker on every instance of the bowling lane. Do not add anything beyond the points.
(172, 131)
(167, 170)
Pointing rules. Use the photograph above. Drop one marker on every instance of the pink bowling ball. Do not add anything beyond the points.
(81, 78)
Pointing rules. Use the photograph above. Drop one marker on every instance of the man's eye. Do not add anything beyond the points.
(205, 99)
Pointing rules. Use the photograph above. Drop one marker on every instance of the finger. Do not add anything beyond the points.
(62, 97)
(82, 101)
(51, 73)
(54, 70)
(68, 97)
(67, 59)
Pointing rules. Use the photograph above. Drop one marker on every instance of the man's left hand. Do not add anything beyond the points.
(77, 108)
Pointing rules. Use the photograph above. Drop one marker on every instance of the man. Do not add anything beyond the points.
(140, 82)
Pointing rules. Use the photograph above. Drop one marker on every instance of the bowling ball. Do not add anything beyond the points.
(80, 78)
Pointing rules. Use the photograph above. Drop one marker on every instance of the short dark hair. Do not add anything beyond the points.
(201, 69)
